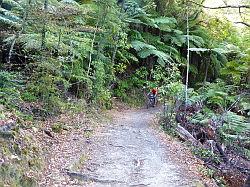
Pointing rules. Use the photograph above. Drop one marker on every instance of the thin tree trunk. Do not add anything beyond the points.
(59, 39)
(114, 54)
(92, 44)
(224, 156)
(188, 56)
(92, 48)
(44, 30)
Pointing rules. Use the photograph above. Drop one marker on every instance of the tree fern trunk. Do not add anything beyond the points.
(205, 77)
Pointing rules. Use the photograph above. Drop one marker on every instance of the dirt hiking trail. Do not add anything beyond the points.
(131, 152)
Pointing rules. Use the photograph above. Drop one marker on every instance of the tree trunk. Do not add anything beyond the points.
(188, 58)
(161, 6)
(206, 71)
(184, 134)
(44, 30)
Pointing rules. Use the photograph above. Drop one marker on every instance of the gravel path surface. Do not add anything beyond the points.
(129, 152)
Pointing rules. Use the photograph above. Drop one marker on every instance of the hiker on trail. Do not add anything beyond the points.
(154, 91)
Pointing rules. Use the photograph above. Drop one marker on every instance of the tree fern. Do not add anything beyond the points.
(125, 56)
(136, 35)
(178, 39)
(175, 37)
(138, 45)
(165, 20)
(196, 41)
(162, 46)
(12, 4)
(235, 127)
(163, 58)
(4, 20)
(8, 18)
(165, 23)
(145, 50)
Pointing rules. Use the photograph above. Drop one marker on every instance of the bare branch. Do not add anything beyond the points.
(221, 7)
(244, 23)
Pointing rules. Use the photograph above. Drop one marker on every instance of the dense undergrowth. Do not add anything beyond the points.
(56, 52)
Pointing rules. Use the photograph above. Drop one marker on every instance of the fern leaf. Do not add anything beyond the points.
(6, 21)
(137, 45)
(12, 4)
(165, 23)
(196, 40)
(163, 58)
(165, 20)
(235, 124)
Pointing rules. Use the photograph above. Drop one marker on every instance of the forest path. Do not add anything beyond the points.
(130, 152)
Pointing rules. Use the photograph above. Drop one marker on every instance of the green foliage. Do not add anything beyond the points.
(84, 49)
(100, 92)
(130, 89)
(167, 79)
(207, 155)
(165, 23)
(235, 128)
(21, 155)
(57, 127)
(215, 94)
(7, 17)
(10, 85)
(47, 84)
(222, 30)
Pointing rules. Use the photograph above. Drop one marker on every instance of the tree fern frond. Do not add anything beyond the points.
(177, 39)
(126, 57)
(133, 20)
(235, 124)
(195, 49)
(6, 21)
(30, 41)
(193, 69)
(163, 58)
(145, 50)
(197, 41)
(138, 45)
(135, 35)
(165, 23)
(71, 2)
(165, 20)
(12, 4)
(8, 14)
(173, 52)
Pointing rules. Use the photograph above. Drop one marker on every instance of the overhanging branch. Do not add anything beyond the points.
(240, 22)
(221, 7)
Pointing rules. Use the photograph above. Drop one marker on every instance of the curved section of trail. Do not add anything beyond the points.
(129, 152)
